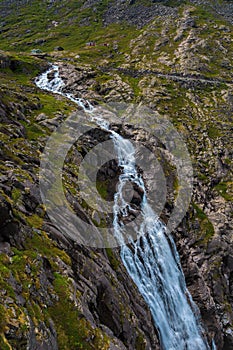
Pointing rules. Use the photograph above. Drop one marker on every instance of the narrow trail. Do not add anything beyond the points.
(170, 76)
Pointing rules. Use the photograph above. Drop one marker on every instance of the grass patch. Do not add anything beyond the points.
(34, 221)
(31, 27)
(223, 188)
(2, 318)
(73, 330)
(112, 259)
(4, 343)
(102, 188)
(34, 132)
(16, 194)
(207, 229)
(40, 243)
(213, 132)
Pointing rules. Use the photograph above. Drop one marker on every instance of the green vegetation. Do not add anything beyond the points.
(35, 221)
(73, 330)
(112, 259)
(200, 111)
(16, 194)
(206, 228)
(3, 343)
(39, 26)
(34, 131)
(213, 132)
(140, 342)
(225, 190)
(2, 319)
(102, 188)
(134, 84)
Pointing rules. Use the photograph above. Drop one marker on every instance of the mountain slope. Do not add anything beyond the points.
(177, 58)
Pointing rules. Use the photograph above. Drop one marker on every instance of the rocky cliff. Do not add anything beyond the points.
(177, 59)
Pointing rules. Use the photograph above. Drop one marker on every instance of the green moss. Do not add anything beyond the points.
(41, 243)
(223, 188)
(16, 193)
(140, 342)
(227, 161)
(175, 3)
(35, 221)
(133, 83)
(199, 213)
(202, 177)
(206, 228)
(102, 188)
(4, 345)
(204, 15)
(2, 318)
(34, 131)
(11, 155)
(73, 330)
(5, 274)
(61, 284)
(112, 259)
(21, 64)
(213, 132)
(52, 104)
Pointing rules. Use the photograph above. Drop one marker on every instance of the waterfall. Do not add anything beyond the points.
(153, 263)
(152, 260)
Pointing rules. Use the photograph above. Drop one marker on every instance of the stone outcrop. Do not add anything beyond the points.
(180, 65)
(55, 292)
(204, 239)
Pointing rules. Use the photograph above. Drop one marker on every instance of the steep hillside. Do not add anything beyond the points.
(175, 57)
(53, 291)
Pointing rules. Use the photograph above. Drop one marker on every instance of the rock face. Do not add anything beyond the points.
(204, 239)
(206, 262)
(57, 294)
(54, 292)
(136, 13)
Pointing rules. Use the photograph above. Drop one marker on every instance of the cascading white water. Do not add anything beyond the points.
(55, 85)
(152, 260)
(153, 263)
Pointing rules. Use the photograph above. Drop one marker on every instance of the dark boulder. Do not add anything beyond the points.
(58, 48)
